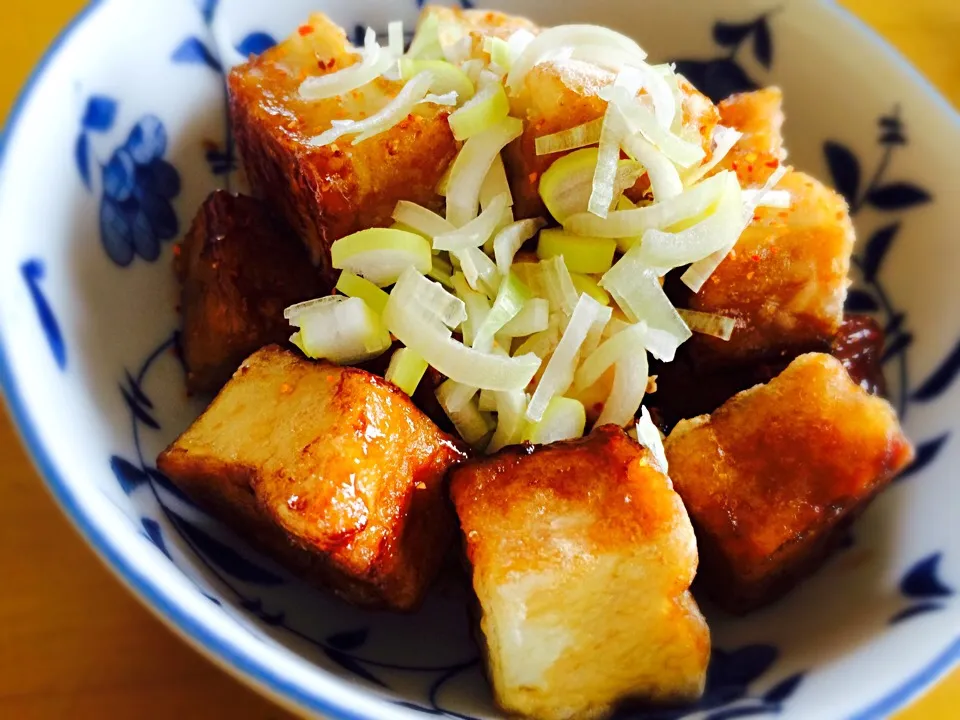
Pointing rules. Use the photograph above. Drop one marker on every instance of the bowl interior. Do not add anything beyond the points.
(123, 133)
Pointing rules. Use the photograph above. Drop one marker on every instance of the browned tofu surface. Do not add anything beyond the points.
(772, 478)
(560, 95)
(238, 270)
(331, 469)
(582, 555)
(327, 192)
(759, 116)
(456, 23)
(786, 280)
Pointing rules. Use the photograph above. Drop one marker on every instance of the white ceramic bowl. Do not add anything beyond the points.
(120, 134)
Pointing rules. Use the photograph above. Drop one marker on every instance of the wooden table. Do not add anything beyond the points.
(74, 644)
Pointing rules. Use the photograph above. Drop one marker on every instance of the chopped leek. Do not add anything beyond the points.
(495, 184)
(627, 391)
(476, 232)
(381, 254)
(477, 307)
(374, 61)
(420, 219)
(481, 112)
(472, 425)
(565, 186)
(581, 254)
(533, 317)
(487, 401)
(586, 284)
(355, 286)
(509, 301)
(446, 77)
(511, 238)
(426, 41)
(511, 423)
(564, 419)
(480, 270)
(455, 395)
(345, 331)
(406, 369)
(570, 139)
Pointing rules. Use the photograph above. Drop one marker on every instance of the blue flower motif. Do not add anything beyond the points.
(136, 213)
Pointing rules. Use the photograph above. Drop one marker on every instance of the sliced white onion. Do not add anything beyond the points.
(477, 306)
(558, 374)
(495, 184)
(412, 325)
(511, 407)
(480, 271)
(608, 158)
(455, 395)
(471, 166)
(770, 199)
(563, 36)
(564, 419)
(626, 343)
(641, 119)
(343, 332)
(534, 317)
(424, 221)
(487, 401)
(719, 230)
(658, 88)
(637, 290)
(665, 181)
(692, 203)
(697, 274)
(471, 424)
(543, 343)
(518, 42)
(628, 389)
(511, 238)
(724, 139)
(293, 313)
(426, 40)
(570, 139)
(595, 333)
(448, 99)
(437, 305)
(718, 326)
(510, 300)
(649, 436)
(374, 62)
(393, 112)
(476, 232)
(556, 285)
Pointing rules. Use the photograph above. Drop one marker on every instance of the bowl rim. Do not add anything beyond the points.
(217, 646)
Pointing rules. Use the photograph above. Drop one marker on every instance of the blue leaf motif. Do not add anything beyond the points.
(914, 610)
(941, 378)
(152, 528)
(348, 640)
(926, 454)
(763, 44)
(147, 140)
(136, 392)
(139, 412)
(738, 668)
(731, 34)
(255, 43)
(225, 558)
(160, 216)
(119, 176)
(844, 169)
(351, 665)
(922, 581)
(82, 156)
(877, 247)
(860, 301)
(100, 113)
(33, 272)
(193, 51)
(163, 481)
(718, 79)
(116, 232)
(897, 346)
(418, 708)
(146, 244)
(128, 475)
(898, 196)
(159, 178)
(783, 689)
(207, 9)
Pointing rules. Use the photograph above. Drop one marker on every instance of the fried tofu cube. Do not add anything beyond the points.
(559, 95)
(470, 27)
(759, 116)
(786, 280)
(335, 461)
(238, 270)
(582, 555)
(773, 477)
(327, 192)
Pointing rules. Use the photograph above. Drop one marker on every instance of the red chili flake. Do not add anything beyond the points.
(331, 379)
(532, 177)
(177, 250)
(773, 164)
(305, 30)
(733, 165)
(755, 257)
(286, 388)
(750, 168)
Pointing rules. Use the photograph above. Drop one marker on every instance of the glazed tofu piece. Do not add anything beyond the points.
(327, 192)
(331, 469)
(785, 282)
(559, 95)
(238, 269)
(759, 116)
(582, 555)
(773, 477)
(463, 31)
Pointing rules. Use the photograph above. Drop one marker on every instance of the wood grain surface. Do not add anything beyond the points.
(74, 643)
